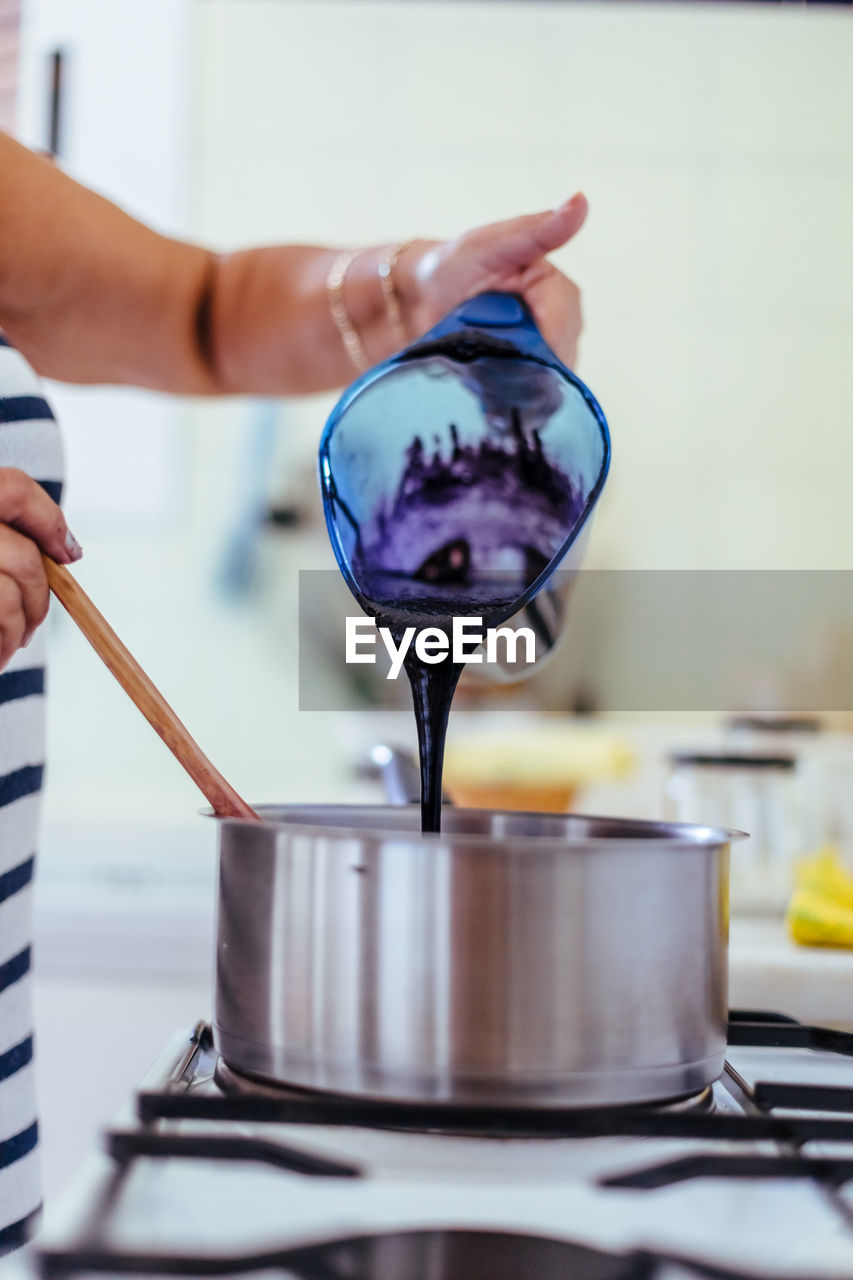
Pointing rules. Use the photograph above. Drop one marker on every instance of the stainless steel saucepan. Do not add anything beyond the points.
(514, 959)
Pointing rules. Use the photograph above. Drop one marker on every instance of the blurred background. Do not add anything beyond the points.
(714, 144)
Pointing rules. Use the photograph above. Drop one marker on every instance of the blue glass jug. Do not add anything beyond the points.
(463, 471)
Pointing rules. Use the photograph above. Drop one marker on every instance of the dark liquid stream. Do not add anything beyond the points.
(433, 688)
(433, 684)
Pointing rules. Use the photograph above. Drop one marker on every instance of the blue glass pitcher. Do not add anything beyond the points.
(464, 471)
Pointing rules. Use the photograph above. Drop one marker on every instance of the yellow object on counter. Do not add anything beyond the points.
(820, 913)
(824, 873)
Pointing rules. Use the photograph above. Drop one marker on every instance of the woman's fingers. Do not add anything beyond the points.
(26, 507)
(518, 243)
(510, 256)
(13, 622)
(556, 304)
(21, 563)
(30, 523)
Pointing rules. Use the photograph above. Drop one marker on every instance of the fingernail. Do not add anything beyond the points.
(72, 546)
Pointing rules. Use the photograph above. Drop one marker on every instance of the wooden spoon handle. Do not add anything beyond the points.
(147, 697)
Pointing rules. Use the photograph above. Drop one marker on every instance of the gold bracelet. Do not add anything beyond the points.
(387, 263)
(353, 344)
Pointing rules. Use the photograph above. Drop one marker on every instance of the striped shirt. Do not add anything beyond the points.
(29, 440)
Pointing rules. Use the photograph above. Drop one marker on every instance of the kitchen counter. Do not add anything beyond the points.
(769, 971)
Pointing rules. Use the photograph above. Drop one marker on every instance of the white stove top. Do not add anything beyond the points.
(217, 1202)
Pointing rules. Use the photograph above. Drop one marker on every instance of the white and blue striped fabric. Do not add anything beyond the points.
(29, 439)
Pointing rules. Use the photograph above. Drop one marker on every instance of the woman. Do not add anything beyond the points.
(89, 295)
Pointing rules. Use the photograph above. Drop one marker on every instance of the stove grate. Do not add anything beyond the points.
(172, 1092)
(829, 1172)
(124, 1144)
(775, 1031)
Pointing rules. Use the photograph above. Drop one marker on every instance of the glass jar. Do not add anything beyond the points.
(754, 793)
(800, 736)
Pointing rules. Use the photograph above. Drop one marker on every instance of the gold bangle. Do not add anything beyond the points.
(387, 263)
(353, 344)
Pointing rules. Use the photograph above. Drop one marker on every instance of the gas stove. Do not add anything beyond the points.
(214, 1174)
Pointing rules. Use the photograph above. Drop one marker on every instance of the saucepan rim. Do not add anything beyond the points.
(639, 833)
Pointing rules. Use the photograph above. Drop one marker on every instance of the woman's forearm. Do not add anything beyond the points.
(88, 293)
(91, 295)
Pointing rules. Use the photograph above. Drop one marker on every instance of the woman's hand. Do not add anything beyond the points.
(510, 256)
(30, 523)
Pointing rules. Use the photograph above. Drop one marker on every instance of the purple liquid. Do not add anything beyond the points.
(499, 503)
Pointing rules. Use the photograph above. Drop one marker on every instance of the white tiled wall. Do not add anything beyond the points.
(715, 146)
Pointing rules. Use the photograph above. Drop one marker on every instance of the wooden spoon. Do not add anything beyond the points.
(147, 697)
